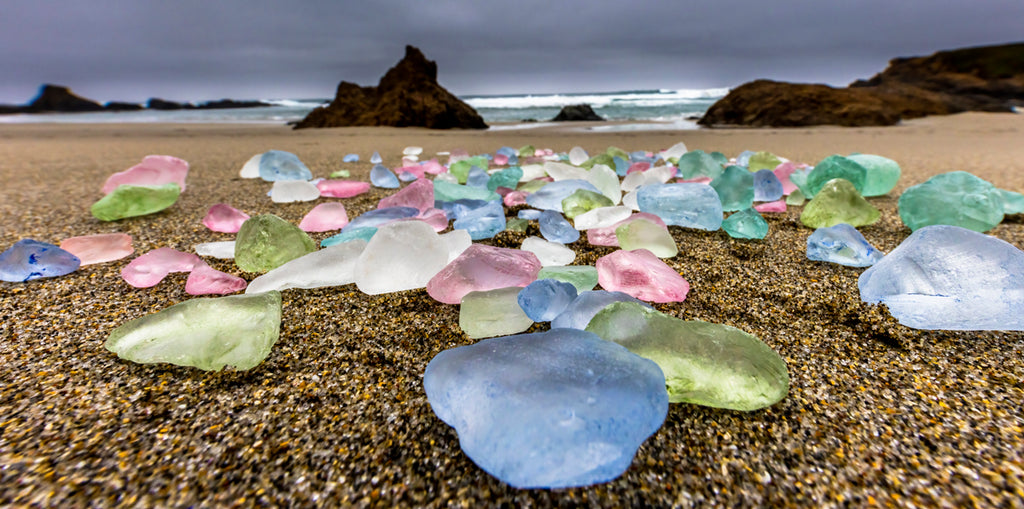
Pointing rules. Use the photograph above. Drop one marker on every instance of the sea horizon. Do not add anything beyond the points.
(652, 108)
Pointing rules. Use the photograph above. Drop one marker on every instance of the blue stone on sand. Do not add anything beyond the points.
(554, 227)
(378, 217)
(842, 244)
(543, 300)
(767, 187)
(381, 176)
(552, 409)
(280, 165)
(579, 313)
(688, 205)
(551, 195)
(951, 278)
(350, 158)
(30, 259)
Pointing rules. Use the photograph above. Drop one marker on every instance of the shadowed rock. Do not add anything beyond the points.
(973, 79)
(407, 96)
(576, 112)
(60, 98)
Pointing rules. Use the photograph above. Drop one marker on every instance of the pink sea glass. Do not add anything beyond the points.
(641, 274)
(413, 169)
(342, 188)
(772, 206)
(482, 267)
(433, 167)
(151, 268)
(436, 218)
(325, 217)
(419, 195)
(514, 198)
(206, 280)
(500, 159)
(105, 247)
(783, 171)
(640, 166)
(153, 170)
(606, 236)
(457, 155)
(224, 218)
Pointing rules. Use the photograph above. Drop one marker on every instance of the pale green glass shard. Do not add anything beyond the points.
(208, 334)
(460, 169)
(493, 313)
(838, 202)
(266, 242)
(1013, 203)
(833, 167)
(881, 173)
(704, 363)
(532, 186)
(614, 151)
(956, 198)
(604, 159)
(583, 277)
(763, 161)
(516, 224)
(735, 187)
(746, 224)
(796, 198)
(341, 174)
(697, 163)
(583, 200)
(527, 151)
(131, 201)
(643, 234)
(447, 191)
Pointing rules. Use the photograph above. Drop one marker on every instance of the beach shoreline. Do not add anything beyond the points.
(336, 415)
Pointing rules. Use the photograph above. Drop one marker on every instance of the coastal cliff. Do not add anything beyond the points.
(987, 78)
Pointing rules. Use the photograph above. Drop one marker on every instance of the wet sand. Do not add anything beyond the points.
(336, 415)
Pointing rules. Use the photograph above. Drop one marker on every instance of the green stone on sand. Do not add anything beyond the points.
(447, 191)
(131, 201)
(583, 277)
(208, 334)
(735, 187)
(266, 242)
(643, 234)
(515, 224)
(583, 200)
(838, 202)
(746, 224)
(697, 163)
(704, 363)
(881, 173)
(957, 198)
(833, 167)
(763, 161)
(492, 313)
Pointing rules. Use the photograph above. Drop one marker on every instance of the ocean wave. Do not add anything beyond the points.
(640, 98)
(296, 103)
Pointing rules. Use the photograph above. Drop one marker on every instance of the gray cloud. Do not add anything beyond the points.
(194, 50)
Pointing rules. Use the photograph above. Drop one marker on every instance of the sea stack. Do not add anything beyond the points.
(407, 96)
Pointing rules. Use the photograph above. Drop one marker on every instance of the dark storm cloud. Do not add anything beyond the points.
(193, 49)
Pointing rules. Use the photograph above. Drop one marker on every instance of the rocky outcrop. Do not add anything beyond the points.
(576, 112)
(156, 103)
(407, 96)
(122, 106)
(973, 79)
(60, 99)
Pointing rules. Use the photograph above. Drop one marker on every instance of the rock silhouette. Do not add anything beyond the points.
(407, 96)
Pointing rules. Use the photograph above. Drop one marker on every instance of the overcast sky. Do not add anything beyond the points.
(209, 49)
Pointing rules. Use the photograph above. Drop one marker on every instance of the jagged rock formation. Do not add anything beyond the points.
(973, 79)
(407, 96)
(60, 98)
(576, 112)
(156, 103)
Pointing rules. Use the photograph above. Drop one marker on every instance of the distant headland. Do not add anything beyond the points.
(60, 99)
(989, 78)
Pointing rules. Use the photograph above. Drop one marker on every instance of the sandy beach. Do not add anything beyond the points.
(336, 416)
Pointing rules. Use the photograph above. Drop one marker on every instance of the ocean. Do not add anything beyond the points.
(653, 109)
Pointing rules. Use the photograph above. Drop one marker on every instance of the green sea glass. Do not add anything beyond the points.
(492, 313)
(460, 169)
(516, 224)
(131, 201)
(447, 191)
(957, 198)
(266, 242)
(583, 277)
(763, 161)
(583, 200)
(833, 167)
(735, 187)
(697, 163)
(604, 159)
(208, 334)
(704, 363)
(527, 151)
(509, 178)
(746, 224)
(643, 234)
(838, 202)
(881, 173)
(796, 198)
(1013, 203)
